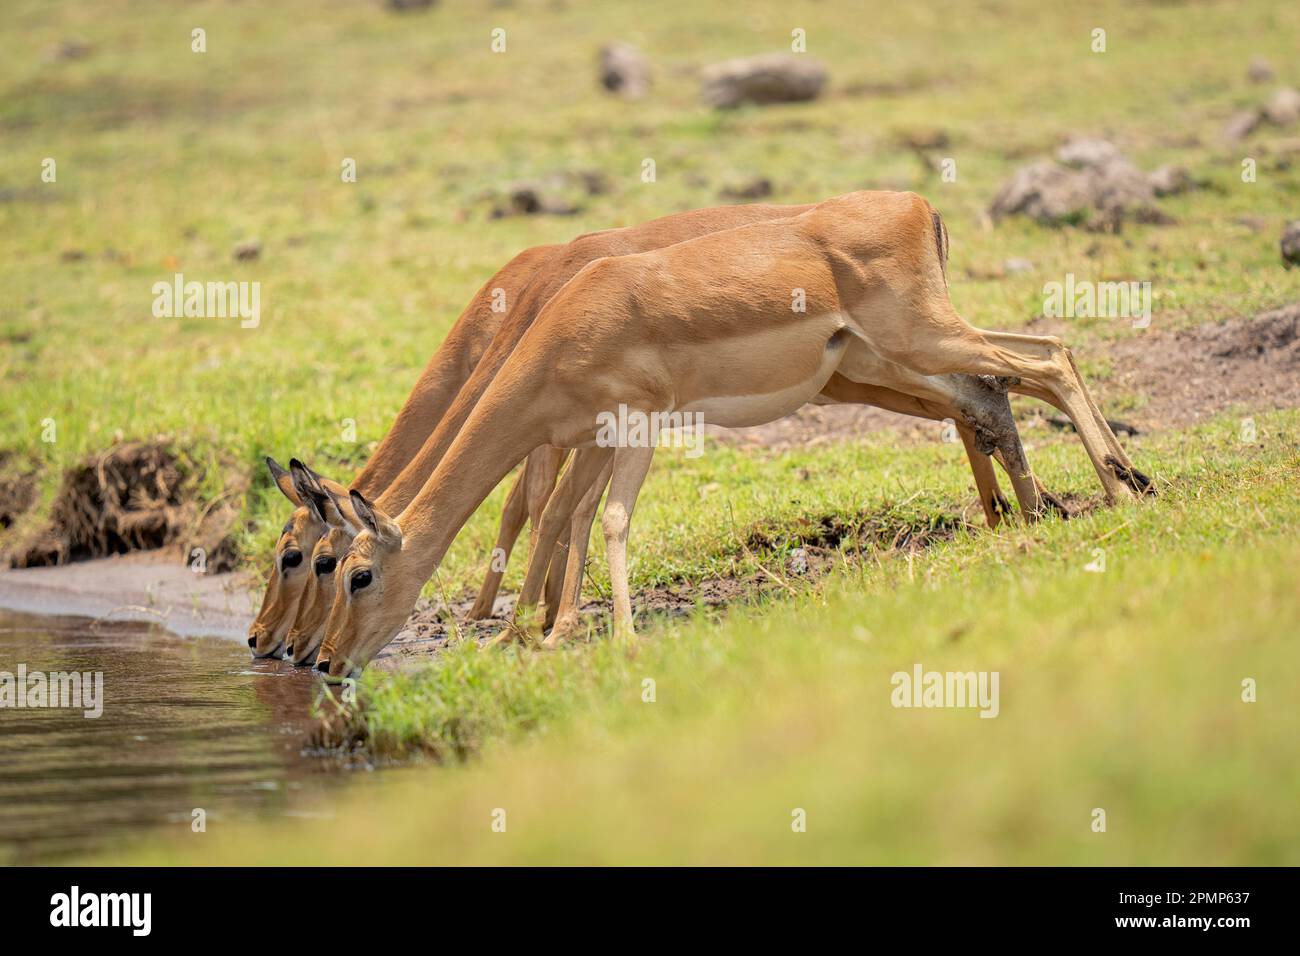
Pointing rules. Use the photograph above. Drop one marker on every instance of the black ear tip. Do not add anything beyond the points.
(274, 465)
(295, 463)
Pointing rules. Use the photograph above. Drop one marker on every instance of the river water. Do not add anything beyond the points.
(187, 723)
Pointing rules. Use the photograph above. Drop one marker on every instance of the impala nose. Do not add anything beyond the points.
(289, 650)
(323, 666)
(252, 642)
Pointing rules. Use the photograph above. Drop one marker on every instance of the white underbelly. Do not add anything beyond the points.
(741, 409)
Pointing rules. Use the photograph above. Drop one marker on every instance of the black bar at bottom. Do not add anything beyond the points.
(368, 906)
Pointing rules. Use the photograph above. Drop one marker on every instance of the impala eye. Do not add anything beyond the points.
(326, 563)
(290, 559)
(360, 580)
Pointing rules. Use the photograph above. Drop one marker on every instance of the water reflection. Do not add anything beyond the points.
(187, 723)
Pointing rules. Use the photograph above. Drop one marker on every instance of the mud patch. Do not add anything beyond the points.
(17, 490)
(137, 496)
(1194, 374)
(783, 558)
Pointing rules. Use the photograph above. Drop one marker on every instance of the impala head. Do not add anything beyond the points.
(318, 593)
(378, 583)
(301, 485)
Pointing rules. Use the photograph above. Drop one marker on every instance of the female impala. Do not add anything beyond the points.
(714, 332)
(433, 393)
(531, 492)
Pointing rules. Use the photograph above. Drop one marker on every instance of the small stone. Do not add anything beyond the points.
(759, 187)
(624, 70)
(1170, 180)
(767, 78)
(248, 250)
(1283, 107)
(1260, 70)
(1241, 124)
(1291, 244)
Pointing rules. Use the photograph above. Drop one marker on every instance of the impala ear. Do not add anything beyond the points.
(341, 513)
(307, 483)
(283, 480)
(384, 528)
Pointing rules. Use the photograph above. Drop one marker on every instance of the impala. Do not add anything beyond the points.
(438, 384)
(532, 490)
(706, 325)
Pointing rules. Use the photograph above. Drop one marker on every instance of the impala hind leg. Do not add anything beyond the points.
(995, 505)
(587, 464)
(513, 517)
(1039, 361)
(566, 617)
(630, 468)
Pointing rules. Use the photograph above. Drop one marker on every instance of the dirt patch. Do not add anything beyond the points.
(786, 559)
(815, 425)
(17, 490)
(1190, 375)
(136, 496)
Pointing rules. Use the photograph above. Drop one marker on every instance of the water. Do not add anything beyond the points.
(187, 723)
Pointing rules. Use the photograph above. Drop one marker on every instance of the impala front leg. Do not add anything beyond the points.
(513, 517)
(587, 464)
(566, 616)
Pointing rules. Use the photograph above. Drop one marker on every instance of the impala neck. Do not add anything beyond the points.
(433, 393)
(407, 485)
(498, 436)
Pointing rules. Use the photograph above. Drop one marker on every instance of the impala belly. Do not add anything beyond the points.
(760, 378)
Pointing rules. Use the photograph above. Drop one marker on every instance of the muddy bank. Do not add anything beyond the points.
(781, 561)
(132, 497)
(138, 587)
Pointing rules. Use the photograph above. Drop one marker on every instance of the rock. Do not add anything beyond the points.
(624, 70)
(1120, 188)
(556, 194)
(1045, 192)
(1169, 180)
(1093, 184)
(1283, 107)
(769, 78)
(1017, 266)
(1241, 124)
(71, 50)
(757, 188)
(247, 250)
(528, 199)
(1291, 244)
(1083, 153)
(1260, 70)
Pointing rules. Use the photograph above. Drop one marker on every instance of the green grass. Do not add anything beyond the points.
(1119, 690)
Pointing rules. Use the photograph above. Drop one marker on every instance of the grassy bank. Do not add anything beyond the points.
(1120, 690)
